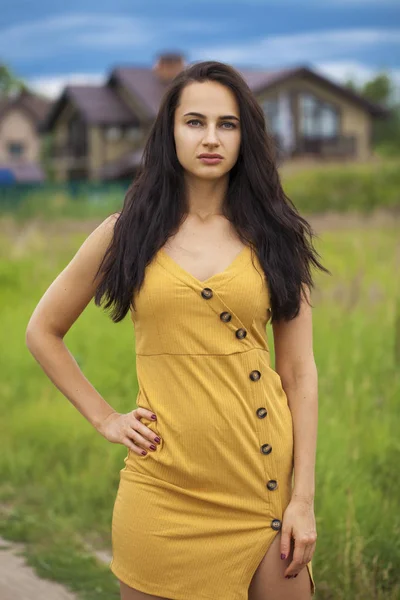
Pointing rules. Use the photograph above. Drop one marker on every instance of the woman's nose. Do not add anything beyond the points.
(211, 135)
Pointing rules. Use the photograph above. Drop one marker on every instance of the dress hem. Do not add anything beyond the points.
(155, 590)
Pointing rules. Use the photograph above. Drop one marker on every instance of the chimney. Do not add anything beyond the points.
(168, 65)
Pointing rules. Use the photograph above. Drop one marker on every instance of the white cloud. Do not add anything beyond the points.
(362, 2)
(324, 51)
(41, 38)
(51, 36)
(330, 51)
(276, 50)
(52, 86)
(305, 3)
(360, 73)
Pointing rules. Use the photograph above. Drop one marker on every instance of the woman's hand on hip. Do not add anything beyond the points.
(128, 429)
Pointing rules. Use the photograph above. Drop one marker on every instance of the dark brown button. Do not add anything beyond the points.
(261, 412)
(207, 293)
(255, 375)
(276, 524)
(241, 333)
(266, 448)
(225, 317)
(272, 484)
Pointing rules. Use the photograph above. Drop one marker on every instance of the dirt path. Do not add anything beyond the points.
(18, 581)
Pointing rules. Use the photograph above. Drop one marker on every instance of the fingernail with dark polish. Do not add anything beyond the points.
(295, 575)
(283, 556)
(153, 417)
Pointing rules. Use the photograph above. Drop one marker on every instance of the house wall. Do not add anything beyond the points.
(96, 150)
(61, 127)
(113, 149)
(17, 126)
(63, 163)
(100, 150)
(103, 150)
(60, 136)
(354, 120)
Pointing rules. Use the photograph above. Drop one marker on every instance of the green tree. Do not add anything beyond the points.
(9, 83)
(350, 84)
(386, 131)
(379, 90)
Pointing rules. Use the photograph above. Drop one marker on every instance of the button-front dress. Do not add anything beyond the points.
(193, 519)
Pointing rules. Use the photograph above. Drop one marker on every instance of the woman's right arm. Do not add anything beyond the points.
(56, 312)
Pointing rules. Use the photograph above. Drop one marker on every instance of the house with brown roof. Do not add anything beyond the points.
(99, 131)
(20, 138)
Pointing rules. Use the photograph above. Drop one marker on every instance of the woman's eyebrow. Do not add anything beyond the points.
(196, 114)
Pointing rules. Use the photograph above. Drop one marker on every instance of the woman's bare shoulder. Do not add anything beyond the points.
(71, 291)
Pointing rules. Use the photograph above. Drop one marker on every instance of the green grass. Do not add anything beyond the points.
(316, 188)
(60, 477)
(361, 187)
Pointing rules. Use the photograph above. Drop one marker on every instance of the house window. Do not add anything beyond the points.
(133, 133)
(271, 113)
(77, 137)
(113, 134)
(318, 119)
(15, 149)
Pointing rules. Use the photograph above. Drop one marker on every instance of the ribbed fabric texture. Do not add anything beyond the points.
(193, 519)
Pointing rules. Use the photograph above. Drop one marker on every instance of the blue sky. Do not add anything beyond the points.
(51, 43)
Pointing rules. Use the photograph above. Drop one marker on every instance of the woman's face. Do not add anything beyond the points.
(209, 133)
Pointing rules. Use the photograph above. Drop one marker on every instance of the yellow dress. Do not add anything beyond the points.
(193, 519)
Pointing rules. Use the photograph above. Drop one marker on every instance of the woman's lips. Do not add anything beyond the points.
(210, 161)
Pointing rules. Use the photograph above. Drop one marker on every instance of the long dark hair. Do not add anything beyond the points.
(263, 216)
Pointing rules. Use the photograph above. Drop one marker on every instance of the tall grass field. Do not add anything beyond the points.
(59, 477)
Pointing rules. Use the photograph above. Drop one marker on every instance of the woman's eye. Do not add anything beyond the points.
(225, 123)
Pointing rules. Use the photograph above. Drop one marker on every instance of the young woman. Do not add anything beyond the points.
(204, 253)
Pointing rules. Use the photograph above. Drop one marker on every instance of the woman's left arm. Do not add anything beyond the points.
(295, 364)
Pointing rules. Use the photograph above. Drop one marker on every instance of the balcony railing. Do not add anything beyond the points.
(340, 146)
(69, 151)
